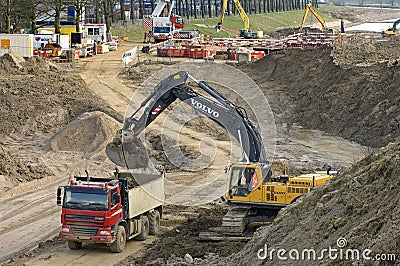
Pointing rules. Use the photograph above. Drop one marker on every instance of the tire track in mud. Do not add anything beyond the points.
(31, 219)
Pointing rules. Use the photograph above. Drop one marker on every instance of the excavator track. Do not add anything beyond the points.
(235, 224)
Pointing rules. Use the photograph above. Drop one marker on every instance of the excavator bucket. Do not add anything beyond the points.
(130, 154)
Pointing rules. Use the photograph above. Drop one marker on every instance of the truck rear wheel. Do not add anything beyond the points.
(154, 222)
(73, 245)
(145, 228)
(120, 240)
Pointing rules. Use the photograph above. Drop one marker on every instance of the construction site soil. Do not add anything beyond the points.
(350, 90)
(37, 98)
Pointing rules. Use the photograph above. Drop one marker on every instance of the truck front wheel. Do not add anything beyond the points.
(73, 245)
(145, 228)
(120, 240)
(154, 222)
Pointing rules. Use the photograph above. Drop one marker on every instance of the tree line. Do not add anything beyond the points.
(16, 15)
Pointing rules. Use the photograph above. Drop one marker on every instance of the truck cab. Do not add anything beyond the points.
(110, 210)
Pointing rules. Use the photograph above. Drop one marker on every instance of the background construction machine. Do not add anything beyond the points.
(163, 27)
(245, 32)
(254, 191)
(392, 30)
(309, 7)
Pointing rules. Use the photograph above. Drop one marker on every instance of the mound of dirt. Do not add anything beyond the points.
(357, 210)
(35, 97)
(14, 170)
(12, 63)
(359, 102)
(89, 133)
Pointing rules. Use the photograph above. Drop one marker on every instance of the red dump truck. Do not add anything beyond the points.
(110, 210)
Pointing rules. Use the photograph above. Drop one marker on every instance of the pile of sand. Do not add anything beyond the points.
(12, 63)
(14, 170)
(89, 133)
(35, 99)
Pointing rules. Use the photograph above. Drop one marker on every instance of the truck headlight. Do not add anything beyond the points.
(65, 230)
(104, 233)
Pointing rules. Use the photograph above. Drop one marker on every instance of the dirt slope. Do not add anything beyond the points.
(323, 89)
(38, 96)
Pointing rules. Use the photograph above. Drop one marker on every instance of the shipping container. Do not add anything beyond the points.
(21, 44)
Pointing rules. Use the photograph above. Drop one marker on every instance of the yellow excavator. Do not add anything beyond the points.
(256, 189)
(309, 7)
(245, 32)
(392, 30)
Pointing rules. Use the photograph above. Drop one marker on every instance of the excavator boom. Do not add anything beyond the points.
(309, 7)
(241, 11)
(127, 151)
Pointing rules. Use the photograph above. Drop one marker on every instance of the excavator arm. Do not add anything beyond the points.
(309, 7)
(241, 11)
(124, 151)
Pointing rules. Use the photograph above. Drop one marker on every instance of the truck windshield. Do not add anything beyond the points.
(162, 29)
(86, 201)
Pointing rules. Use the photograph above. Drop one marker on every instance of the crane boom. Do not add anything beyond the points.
(160, 5)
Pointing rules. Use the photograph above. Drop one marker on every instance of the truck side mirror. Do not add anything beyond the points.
(59, 196)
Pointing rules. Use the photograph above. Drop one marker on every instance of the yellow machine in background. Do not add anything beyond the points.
(245, 32)
(309, 7)
(392, 30)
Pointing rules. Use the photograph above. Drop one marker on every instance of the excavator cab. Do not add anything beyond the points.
(245, 181)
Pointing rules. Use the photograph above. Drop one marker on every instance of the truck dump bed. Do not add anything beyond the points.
(147, 196)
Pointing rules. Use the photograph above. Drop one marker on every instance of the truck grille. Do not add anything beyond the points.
(71, 218)
(84, 230)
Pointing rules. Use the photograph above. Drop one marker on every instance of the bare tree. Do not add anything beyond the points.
(122, 9)
(202, 7)
(109, 13)
(79, 6)
(141, 9)
(132, 10)
(187, 9)
(6, 8)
